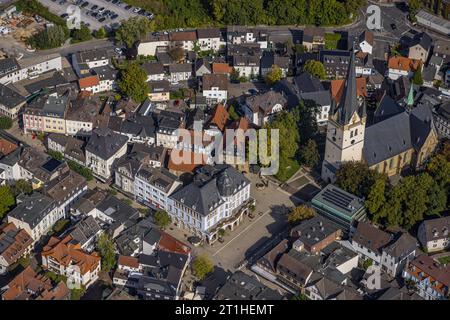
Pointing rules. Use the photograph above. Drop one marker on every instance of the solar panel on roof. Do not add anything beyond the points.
(342, 201)
(51, 165)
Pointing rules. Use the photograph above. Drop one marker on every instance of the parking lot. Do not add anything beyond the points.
(96, 13)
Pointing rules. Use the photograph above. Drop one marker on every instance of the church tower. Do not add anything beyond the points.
(345, 129)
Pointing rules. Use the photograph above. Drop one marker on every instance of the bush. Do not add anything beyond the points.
(56, 155)
(5, 123)
(85, 172)
(202, 266)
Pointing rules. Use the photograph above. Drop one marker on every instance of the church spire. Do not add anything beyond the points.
(349, 102)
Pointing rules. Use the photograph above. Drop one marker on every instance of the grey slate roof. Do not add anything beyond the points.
(387, 108)
(265, 101)
(397, 134)
(152, 68)
(314, 230)
(32, 209)
(8, 65)
(422, 39)
(241, 286)
(159, 177)
(206, 191)
(9, 98)
(84, 230)
(349, 104)
(104, 143)
(91, 55)
(180, 67)
(402, 246)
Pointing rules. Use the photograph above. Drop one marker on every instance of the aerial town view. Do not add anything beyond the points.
(201, 150)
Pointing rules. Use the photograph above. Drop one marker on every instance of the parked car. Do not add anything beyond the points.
(128, 7)
(85, 4)
(136, 10)
(102, 19)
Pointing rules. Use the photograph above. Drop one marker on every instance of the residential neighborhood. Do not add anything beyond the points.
(243, 161)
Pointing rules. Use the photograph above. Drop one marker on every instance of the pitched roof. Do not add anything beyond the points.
(387, 108)
(402, 246)
(219, 68)
(189, 166)
(219, 117)
(28, 285)
(152, 68)
(183, 36)
(88, 82)
(6, 147)
(208, 33)
(366, 36)
(422, 39)
(403, 63)
(14, 242)
(266, 101)
(438, 228)
(105, 143)
(349, 104)
(215, 80)
(66, 254)
(338, 85)
(10, 98)
(132, 262)
(371, 237)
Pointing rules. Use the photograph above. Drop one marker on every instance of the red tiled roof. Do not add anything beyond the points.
(169, 243)
(131, 262)
(337, 88)
(14, 250)
(185, 167)
(221, 68)
(220, 117)
(66, 253)
(88, 82)
(6, 147)
(402, 63)
(28, 280)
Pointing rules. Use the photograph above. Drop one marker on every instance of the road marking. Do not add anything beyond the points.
(240, 233)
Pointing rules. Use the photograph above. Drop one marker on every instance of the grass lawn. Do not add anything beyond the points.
(331, 40)
(287, 171)
(444, 260)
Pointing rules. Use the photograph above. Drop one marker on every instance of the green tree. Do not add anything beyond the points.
(177, 54)
(133, 82)
(49, 38)
(414, 6)
(132, 30)
(22, 186)
(100, 33)
(81, 34)
(85, 172)
(376, 197)
(315, 68)
(234, 76)
(356, 178)
(162, 219)
(274, 75)
(6, 200)
(417, 77)
(233, 116)
(202, 266)
(309, 155)
(301, 213)
(5, 123)
(105, 247)
(56, 155)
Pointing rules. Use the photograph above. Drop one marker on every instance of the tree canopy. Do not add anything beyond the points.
(162, 219)
(6, 200)
(5, 123)
(132, 30)
(274, 75)
(133, 82)
(202, 266)
(105, 247)
(301, 213)
(315, 68)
